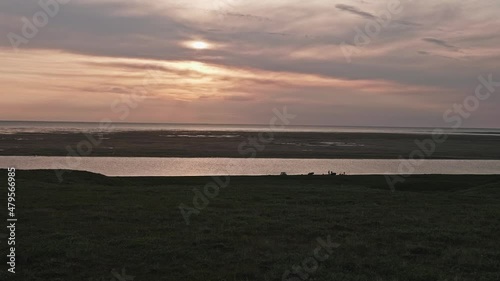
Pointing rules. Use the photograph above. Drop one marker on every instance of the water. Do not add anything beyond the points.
(12, 127)
(137, 166)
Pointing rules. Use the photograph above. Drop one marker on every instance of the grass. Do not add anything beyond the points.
(431, 228)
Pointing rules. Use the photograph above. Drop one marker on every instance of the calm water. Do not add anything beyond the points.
(125, 166)
(11, 127)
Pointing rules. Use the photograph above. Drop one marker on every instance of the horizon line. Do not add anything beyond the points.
(235, 124)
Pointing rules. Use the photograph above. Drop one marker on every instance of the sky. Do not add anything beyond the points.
(329, 62)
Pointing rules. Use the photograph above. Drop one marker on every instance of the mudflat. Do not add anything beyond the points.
(249, 144)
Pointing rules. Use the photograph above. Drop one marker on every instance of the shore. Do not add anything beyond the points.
(246, 144)
(256, 228)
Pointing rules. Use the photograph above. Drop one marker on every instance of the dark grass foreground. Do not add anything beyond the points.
(431, 228)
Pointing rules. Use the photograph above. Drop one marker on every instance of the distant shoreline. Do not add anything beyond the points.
(115, 127)
(222, 124)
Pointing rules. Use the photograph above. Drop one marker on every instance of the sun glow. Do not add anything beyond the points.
(199, 45)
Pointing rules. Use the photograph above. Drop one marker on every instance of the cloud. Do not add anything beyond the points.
(239, 98)
(426, 53)
(355, 11)
(279, 51)
(245, 16)
(408, 23)
(441, 43)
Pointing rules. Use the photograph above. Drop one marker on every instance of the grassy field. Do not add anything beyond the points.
(257, 228)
